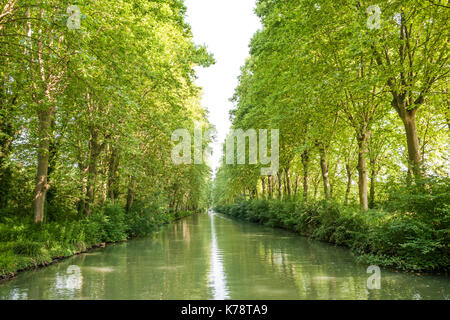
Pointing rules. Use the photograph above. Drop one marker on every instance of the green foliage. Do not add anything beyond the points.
(145, 218)
(24, 244)
(27, 248)
(341, 94)
(387, 239)
(102, 101)
(112, 223)
(428, 198)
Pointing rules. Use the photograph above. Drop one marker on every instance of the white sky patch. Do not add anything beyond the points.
(225, 27)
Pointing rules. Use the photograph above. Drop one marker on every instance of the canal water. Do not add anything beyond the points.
(215, 257)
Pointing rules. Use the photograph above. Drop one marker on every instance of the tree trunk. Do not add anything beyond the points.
(45, 118)
(362, 171)
(280, 185)
(325, 177)
(263, 182)
(270, 186)
(372, 192)
(373, 179)
(412, 139)
(90, 188)
(113, 188)
(95, 150)
(305, 162)
(52, 161)
(349, 183)
(41, 187)
(288, 182)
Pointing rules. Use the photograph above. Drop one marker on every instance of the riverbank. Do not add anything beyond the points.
(25, 246)
(390, 239)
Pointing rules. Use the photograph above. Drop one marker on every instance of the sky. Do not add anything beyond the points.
(225, 27)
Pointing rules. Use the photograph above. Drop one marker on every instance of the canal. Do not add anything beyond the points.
(216, 257)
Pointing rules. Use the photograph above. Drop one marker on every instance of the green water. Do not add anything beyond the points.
(215, 257)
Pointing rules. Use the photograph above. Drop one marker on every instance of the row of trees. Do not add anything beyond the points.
(89, 99)
(350, 95)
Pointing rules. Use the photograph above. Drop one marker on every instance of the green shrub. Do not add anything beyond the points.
(428, 198)
(114, 223)
(144, 219)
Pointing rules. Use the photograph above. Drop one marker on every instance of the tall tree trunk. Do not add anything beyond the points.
(113, 188)
(331, 188)
(45, 115)
(412, 139)
(324, 169)
(362, 171)
(95, 150)
(41, 187)
(263, 182)
(296, 185)
(288, 182)
(90, 188)
(280, 185)
(52, 161)
(373, 180)
(349, 183)
(305, 163)
(270, 186)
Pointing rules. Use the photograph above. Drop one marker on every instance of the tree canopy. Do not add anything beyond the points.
(353, 90)
(90, 93)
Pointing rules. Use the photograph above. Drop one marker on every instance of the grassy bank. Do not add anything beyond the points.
(24, 245)
(399, 240)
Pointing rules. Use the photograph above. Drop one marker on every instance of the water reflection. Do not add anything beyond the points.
(215, 257)
(266, 263)
(216, 273)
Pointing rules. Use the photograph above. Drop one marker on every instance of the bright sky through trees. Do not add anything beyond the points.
(226, 28)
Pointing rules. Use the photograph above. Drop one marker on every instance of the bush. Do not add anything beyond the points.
(111, 221)
(145, 218)
(427, 198)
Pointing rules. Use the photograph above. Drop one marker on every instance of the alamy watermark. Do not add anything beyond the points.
(74, 19)
(374, 281)
(374, 19)
(235, 148)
